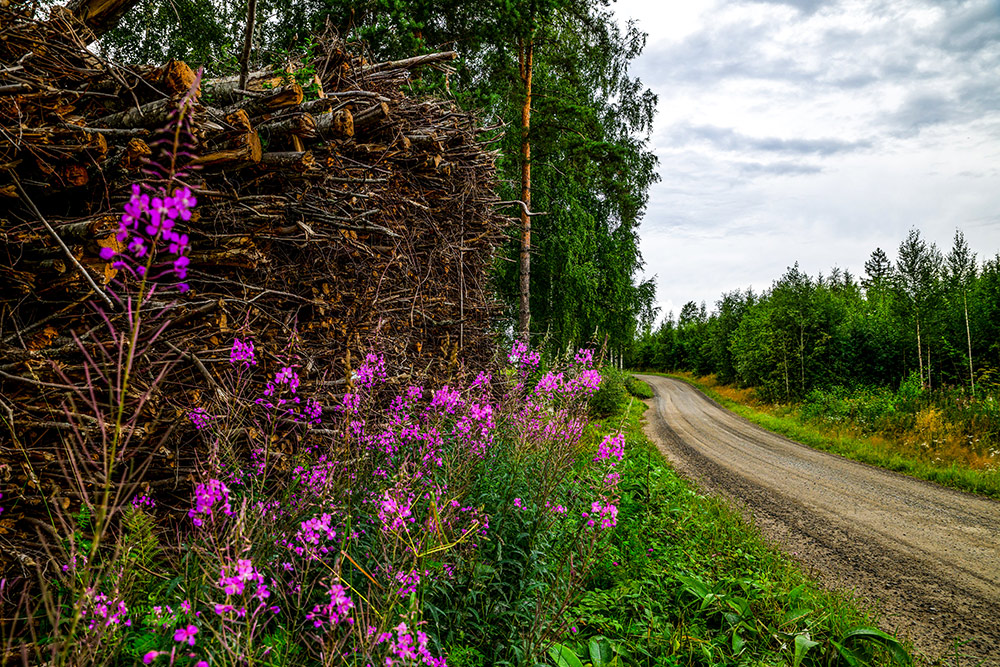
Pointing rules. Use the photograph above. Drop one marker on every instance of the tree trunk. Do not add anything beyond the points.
(920, 354)
(247, 43)
(525, 60)
(968, 338)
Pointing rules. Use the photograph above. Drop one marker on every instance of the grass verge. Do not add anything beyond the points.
(689, 582)
(871, 450)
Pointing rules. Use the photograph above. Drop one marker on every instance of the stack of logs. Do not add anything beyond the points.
(335, 213)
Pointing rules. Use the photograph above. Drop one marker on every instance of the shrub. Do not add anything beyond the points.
(637, 387)
(610, 398)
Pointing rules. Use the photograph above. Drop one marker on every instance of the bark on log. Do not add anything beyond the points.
(286, 96)
(301, 125)
(295, 160)
(371, 116)
(336, 124)
(99, 15)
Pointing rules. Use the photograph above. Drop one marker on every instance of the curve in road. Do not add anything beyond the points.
(927, 556)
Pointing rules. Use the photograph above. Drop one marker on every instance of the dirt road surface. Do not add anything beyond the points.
(927, 557)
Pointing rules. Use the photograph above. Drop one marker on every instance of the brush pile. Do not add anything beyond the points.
(335, 214)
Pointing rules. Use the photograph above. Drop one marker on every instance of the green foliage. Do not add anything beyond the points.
(611, 397)
(688, 582)
(637, 387)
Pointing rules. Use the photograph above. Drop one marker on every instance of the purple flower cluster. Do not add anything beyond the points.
(311, 537)
(333, 612)
(200, 418)
(521, 356)
(142, 500)
(612, 446)
(372, 370)
(394, 512)
(604, 511)
(406, 650)
(206, 496)
(147, 229)
(100, 611)
(242, 352)
(234, 580)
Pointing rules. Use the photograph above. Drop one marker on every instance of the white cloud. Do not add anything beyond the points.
(812, 131)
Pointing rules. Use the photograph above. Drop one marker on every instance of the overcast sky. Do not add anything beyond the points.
(814, 131)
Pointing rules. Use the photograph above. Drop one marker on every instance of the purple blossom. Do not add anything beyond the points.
(147, 231)
(611, 446)
(395, 513)
(371, 370)
(242, 351)
(521, 356)
(200, 418)
(207, 495)
(404, 646)
(186, 635)
(584, 358)
(333, 612)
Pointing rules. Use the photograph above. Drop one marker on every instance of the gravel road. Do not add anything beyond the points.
(926, 556)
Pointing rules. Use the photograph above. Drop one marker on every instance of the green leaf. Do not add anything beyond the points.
(600, 651)
(876, 636)
(802, 645)
(795, 615)
(849, 656)
(564, 657)
(738, 643)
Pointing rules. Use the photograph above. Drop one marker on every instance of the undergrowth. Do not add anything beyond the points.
(688, 582)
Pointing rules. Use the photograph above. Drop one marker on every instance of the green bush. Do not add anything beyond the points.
(610, 398)
(637, 387)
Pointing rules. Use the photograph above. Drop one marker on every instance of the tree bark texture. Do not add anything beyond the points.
(526, 57)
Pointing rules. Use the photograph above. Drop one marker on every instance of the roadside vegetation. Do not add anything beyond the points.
(686, 581)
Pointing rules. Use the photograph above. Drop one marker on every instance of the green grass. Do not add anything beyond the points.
(689, 582)
(866, 450)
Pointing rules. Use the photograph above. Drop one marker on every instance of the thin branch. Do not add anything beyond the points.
(524, 207)
(69, 253)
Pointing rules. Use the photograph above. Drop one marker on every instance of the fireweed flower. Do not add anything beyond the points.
(242, 352)
(446, 400)
(335, 611)
(206, 496)
(186, 635)
(584, 358)
(611, 446)
(407, 648)
(371, 370)
(394, 513)
(100, 611)
(146, 230)
(200, 418)
(605, 511)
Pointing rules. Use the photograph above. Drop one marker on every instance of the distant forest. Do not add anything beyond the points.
(925, 313)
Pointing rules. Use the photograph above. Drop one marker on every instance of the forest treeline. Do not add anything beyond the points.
(924, 313)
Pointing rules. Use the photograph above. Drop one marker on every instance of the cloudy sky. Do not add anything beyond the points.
(815, 131)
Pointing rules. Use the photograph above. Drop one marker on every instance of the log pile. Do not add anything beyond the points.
(330, 207)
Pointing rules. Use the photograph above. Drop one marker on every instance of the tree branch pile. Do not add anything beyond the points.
(335, 215)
